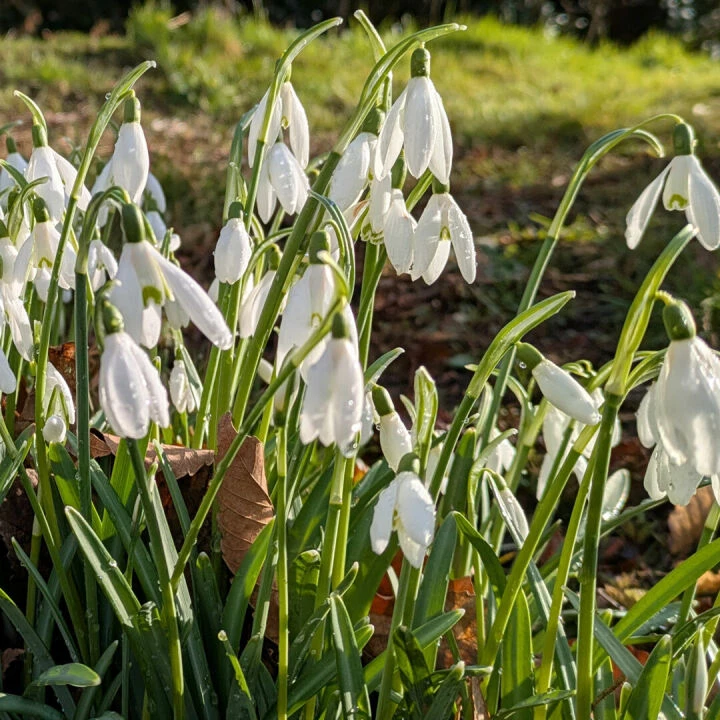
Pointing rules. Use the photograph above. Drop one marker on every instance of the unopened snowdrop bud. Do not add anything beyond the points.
(131, 394)
(395, 440)
(42, 165)
(418, 121)
(696, 685)
(131, 160)
(333, 403)
(181, 392)
(687, 396)
(686, 187)
(405, 506)
(442, 224)
(234, 248)
(54, 430)
(559, 387)
(16, 160)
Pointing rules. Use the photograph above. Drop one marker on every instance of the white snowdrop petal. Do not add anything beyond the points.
(651, 481)
(266, 197)
(437, 263)
(395, 440)
(68, 175)
(442, 153)
(390, 140)
(676, 195)
(399, 231)
(287, 178)
(42, 165)
(156, 399)
(646, 428)
(19, 327)
(565, 393)
(126, 296)
(382, 522)
(298, 128)
(420, 128)
(195, 301)
(314, 408)
(256, 126)
(427, 237)
(151, 325)
(7, 377)
(351, 174)
(253, 305)
(416, 510)
(347, 391)
(380, 200)
(639, 215)
(54, 430)
(704, 209)
(462, 242)
(233, 251)
(154, 189)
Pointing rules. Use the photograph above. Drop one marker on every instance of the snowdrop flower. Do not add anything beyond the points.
(399, 232)
(36, 257)
(687, 188)
(395, 440)
(333, 403)
(234, 248)
(7, 377)
(181, 392)
(102, 265)
(356, 166)
(442, 223)
(253, 304)
(281, 178)
(405, 506)
(687, 396)
(131, 394)
(381, 195)
(287, 113)
(559, 387)
(12, 309)
(146, 280)
(159, 230)
(130, 159)
(14, 159)
(308, 303)
(42, 165)
(58, 406)
(417, 121)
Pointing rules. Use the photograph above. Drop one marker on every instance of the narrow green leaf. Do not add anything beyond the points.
(28, 708)
(647, 696)
(517, 659)
(354, 693)
(447, 693)
(376, 369)
(86, 700)
(489, 559)
(548, 698)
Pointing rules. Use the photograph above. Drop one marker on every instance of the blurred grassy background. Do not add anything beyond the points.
(523, 106)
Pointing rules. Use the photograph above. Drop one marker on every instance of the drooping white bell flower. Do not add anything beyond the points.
(131, 159)
(233, 249)
(146, 280)
(381, 195)
(7, 377)
(687, 396)
(686, 187)
(559, 387)
(42, 165)
(308, 303)
(102, 265)
(333, 403)
(14, 159)
(130, 393)
(12, 308)
(443, 223)
(281, 178)
(36, 257)
(68, 174)
(287, 113)
(58, 406)
(399, 233)
(395, 440)
(405, 506)
(181, 392)
(417, 121)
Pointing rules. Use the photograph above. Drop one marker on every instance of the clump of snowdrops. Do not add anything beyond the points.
(128, 623)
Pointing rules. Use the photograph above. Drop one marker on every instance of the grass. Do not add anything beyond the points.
(523, 106)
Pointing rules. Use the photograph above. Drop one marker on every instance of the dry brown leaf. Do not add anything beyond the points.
(708, 583)
(686, 523)
(244, 506)
(9, 656)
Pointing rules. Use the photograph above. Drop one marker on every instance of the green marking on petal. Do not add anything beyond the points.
(445, 233)
(678, 202)
(151, 293)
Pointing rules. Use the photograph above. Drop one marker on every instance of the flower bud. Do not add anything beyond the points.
(54, 430)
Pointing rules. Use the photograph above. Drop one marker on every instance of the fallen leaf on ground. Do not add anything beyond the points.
(686, 523)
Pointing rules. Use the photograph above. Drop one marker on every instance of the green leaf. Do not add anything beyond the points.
(647, 696)
(517, 658)
(447, 693)
(86, 700)
(10, 465)
(303, 580)
(354, 693)
(75, 674)
(548, 698)
(28, 708)
(489, 559)
(426, 407)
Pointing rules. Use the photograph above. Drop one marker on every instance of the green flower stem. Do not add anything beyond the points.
(282, 575)
(253, 416)
(587, 576)
(544, 673)
(340, 554)
(592, 155)
(409, 579)
(168, 597)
